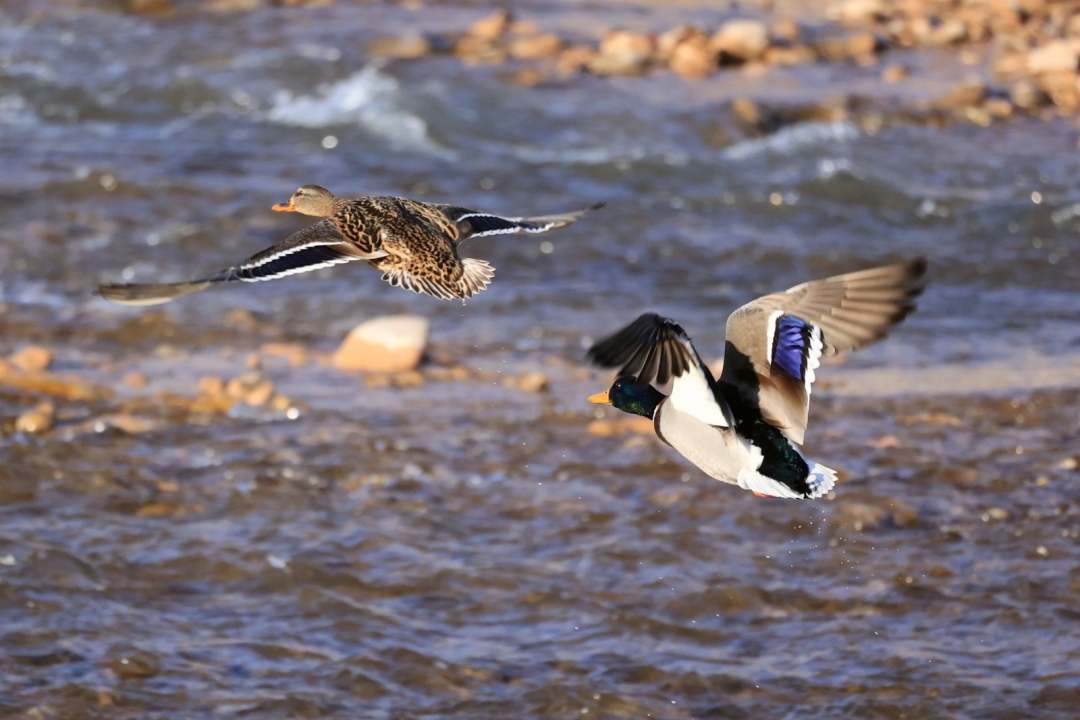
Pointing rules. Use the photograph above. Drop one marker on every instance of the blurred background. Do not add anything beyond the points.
(206, 511)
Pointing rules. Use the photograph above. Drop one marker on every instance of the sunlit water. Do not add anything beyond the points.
(467, 550)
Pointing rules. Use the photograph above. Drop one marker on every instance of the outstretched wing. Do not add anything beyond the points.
(657, 350)
(775, 343)
(474, 223)
(314, 247)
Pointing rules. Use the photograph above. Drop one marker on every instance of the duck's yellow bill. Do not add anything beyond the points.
(282, 207)
(600, 398)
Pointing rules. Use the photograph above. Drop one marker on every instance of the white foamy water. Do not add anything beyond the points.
(368, 98)
(793, 138)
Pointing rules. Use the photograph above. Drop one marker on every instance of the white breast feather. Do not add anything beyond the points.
(691, 394)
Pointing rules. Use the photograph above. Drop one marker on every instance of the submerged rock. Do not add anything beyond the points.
(493, 26)
(390, 344)
(31, 358)
(406, 47)
(37, 420)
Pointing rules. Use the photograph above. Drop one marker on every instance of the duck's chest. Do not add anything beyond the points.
(719, 452)
(360, 227)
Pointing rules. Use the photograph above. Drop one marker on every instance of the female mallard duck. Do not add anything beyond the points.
(746, 428)
(414, 244)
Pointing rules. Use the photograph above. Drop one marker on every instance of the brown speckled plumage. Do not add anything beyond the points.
(413, 244)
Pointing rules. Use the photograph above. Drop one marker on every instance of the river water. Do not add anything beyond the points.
(463, 549)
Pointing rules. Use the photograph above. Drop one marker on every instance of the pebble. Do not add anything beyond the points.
(1055, 56)
(136, 380)
(132, 663)
(693, 58)
(31, 358)
(406, 47)
(623, 52)
(620, 426)
(389, 344)
(536, 47)
(491, 27)
(741, 40)
(37, 420)
(574, 59)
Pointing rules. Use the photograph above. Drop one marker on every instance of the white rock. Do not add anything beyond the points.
(390, 344)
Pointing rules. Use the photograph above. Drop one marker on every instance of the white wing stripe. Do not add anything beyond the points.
(296, 270)
(289, 251)
(770, 335)
(813, 357)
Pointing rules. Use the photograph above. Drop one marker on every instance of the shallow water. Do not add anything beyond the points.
(467, 550)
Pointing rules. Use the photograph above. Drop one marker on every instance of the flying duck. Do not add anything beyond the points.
(413, 244)
(746, 427)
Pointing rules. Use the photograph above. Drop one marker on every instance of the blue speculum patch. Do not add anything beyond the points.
(791, 342)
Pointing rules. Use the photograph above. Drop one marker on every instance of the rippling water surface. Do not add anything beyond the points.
(466, 549)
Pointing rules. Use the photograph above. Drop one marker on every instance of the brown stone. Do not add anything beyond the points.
(524, 27)
(573, 60)
(1010, 65)
(859, 12)
(950, 32)
(407, 47)
(128, 423)
(786, 30)
(478, 51)
(623, 52)
(998, 107)
(493, 26)
(1055, 56)
(213, 386)
(847, 47)
(620, 426)
(792, 55)
(149, 7)
(747, 112)
(37, 420)
(233, 5)
(536, 47)
(894, 74)
(962, 97)
(533, 382)
(741, 40)
(31, 358)
(1062, 87)
(259, 393)
(411, 378)
(667, 41)
(136, 380)
(694, 58)
(65, 387)
(1025, 95)
(386, 345)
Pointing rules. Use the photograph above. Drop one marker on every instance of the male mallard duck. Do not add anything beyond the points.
(746, 429)
(414, 244)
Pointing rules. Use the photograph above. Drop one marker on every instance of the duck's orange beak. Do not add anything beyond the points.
(284, 207)
(600, 398)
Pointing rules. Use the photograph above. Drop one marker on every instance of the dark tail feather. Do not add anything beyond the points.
(150, 293)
